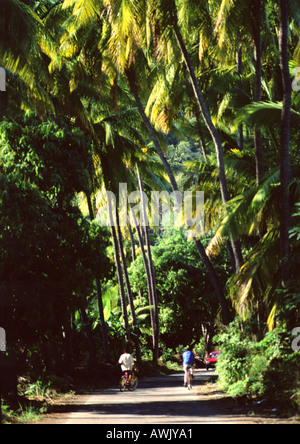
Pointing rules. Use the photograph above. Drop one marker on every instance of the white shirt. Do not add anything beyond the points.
(127, 362)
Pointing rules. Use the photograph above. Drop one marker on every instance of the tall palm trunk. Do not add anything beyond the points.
(99, 294)
(152, 274)
(239, 70)
(257, 14)
(147, 271)
(133, 252)
(285, 168)
(118, 264)
(214, 134)
(128, 290)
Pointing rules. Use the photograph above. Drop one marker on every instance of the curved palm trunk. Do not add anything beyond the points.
(133, 252)
(238, 259)
(146, 266)
(152, 274)
(118, 265)
(285, 168)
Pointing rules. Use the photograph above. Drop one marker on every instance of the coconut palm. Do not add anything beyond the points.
(165, 17)
(23, 58)
(243, 20)
(254, 211)
(122, 43)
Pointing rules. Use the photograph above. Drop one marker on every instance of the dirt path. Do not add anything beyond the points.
(161, 401)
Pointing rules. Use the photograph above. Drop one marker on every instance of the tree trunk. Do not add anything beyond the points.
(285, 168)
(118, 265)
(152, 273)
(200, 131)
(99, 294)
(133, 253)
(147, 271)
(214, 134)
(239, 69)
(128, 290)
(257, 18)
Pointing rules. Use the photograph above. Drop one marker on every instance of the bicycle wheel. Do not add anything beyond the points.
(122, 384)
(133, 383)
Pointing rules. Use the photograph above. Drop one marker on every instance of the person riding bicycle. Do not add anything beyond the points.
(188, 358)
(126, 361)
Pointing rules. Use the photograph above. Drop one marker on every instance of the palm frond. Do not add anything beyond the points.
(265, 114)
(258, 278)
(83, 10)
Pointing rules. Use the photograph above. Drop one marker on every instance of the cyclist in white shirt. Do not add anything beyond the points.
(126, 361)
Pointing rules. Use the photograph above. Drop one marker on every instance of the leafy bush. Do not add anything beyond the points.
(266, 370)
(282, 381)
(233, 363)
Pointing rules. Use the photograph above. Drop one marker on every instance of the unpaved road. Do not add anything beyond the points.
(161, 401)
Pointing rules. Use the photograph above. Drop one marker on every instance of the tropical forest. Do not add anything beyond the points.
(149, 194)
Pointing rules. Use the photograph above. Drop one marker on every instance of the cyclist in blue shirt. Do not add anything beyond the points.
(188, 358)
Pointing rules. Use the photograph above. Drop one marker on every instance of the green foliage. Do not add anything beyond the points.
(49, 254)
(268, 369)
(186, 298)
(233, 364)
(67, 58)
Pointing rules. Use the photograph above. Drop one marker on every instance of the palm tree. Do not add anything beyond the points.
(22, 57)
(130, 73)
(244, 20)
(122, 48)
(167, 19)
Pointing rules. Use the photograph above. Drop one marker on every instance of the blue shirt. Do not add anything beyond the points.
(188, 358)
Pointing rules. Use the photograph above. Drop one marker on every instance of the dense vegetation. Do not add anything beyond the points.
(161, 95)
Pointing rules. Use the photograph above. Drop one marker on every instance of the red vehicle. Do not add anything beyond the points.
(212, 359)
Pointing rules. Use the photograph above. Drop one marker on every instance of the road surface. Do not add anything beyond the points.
(161, 401)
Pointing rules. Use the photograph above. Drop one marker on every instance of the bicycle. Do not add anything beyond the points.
(131, 384)
(190, 379)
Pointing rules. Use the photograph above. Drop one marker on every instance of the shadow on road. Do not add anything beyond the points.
(146, 402)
